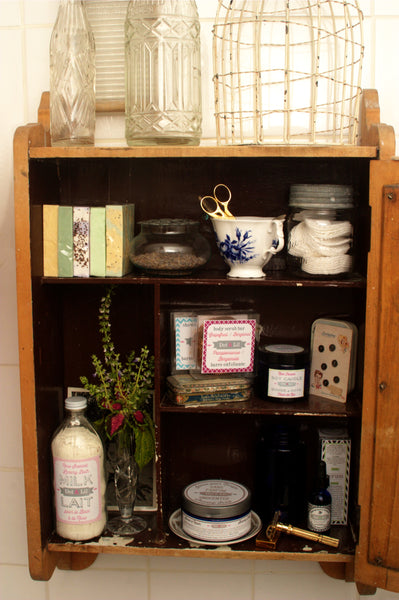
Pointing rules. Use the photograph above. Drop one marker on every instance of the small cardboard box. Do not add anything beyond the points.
(335, 449)
(333, 358)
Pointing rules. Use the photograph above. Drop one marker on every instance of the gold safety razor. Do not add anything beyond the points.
(275, 528)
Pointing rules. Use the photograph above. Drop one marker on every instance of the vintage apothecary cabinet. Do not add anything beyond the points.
(58, 333)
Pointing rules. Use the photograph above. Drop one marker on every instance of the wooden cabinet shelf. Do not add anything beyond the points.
(168, 544)
(58, 333)
(245, 151)
(208, 277)
(313, 406)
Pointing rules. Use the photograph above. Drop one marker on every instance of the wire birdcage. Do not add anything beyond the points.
(287, 71)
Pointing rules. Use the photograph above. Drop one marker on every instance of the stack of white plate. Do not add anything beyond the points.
(107, 20)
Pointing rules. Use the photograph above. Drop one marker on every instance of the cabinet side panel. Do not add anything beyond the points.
(384, 530)
(41, 562)
(378, 550)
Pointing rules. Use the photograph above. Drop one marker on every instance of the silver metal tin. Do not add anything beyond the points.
(216, 498)
(216, 510)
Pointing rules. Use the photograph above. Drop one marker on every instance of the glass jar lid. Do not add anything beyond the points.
(283, 354)
(169, 226)
(321, 196)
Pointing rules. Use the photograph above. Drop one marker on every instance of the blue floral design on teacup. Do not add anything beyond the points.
(239, 249)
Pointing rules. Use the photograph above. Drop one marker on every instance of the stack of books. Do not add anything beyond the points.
(86, 241)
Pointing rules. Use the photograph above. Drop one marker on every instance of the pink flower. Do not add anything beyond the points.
(138, 415)
(116, 422)
(116, 406)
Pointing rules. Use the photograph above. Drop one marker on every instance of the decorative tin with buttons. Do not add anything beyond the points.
(333, 351)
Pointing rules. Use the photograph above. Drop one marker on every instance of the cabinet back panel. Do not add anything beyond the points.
(285, 315)
(132, 326)
(205, 447)
(171, 187)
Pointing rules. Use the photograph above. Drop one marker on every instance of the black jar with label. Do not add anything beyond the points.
(283, 372)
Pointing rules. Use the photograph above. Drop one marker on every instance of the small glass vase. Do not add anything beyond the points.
(72, 77)
(121, 458)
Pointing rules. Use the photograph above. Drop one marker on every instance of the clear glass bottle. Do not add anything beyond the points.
(163, 73)
(79, 480)
(72, 77)
(169, 247)
(320, 230)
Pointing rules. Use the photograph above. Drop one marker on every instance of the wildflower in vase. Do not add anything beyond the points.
(123, 391)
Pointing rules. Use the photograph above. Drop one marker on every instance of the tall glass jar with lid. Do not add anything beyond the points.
(320, 232)
(163, 73)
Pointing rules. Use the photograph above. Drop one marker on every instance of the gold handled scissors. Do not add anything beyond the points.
(216, 208)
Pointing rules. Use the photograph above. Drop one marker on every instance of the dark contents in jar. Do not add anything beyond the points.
(170, 263)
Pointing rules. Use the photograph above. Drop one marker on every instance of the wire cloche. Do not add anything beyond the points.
(287, 71)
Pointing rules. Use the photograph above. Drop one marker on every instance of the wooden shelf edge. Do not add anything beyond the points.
(321, 556)
(162, 542)
(376, 140)
(314, 406)
(245, 151)
(211, 278)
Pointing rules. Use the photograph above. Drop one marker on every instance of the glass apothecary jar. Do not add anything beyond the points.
(163, 73)
(169, 247)
(320, 230)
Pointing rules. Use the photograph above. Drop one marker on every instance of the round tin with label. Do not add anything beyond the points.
(283, 372)
(216, 510)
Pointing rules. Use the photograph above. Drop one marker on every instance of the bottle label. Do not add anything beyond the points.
(284, 383)
(77, 490)
(319, 517)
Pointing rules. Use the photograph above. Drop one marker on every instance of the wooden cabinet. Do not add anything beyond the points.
(58, 333)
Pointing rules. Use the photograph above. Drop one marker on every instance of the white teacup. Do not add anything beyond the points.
(248, 243)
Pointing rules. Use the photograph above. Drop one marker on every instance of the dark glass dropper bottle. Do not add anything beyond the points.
(319, 505)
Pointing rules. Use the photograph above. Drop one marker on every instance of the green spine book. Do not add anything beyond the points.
(97, 241)
(65, 241)
(119, 233)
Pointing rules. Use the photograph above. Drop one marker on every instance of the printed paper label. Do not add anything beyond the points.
(228, 346)
(77, 490)
(319, 517)
(186, 349)
(286, 384)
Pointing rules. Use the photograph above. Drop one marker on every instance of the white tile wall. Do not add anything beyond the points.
(25, 28)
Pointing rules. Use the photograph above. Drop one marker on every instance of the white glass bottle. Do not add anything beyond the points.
(72, 77)
(79, 480)
(163, 73)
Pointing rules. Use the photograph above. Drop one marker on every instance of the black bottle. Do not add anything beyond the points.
(280, 475)
(319, 504)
